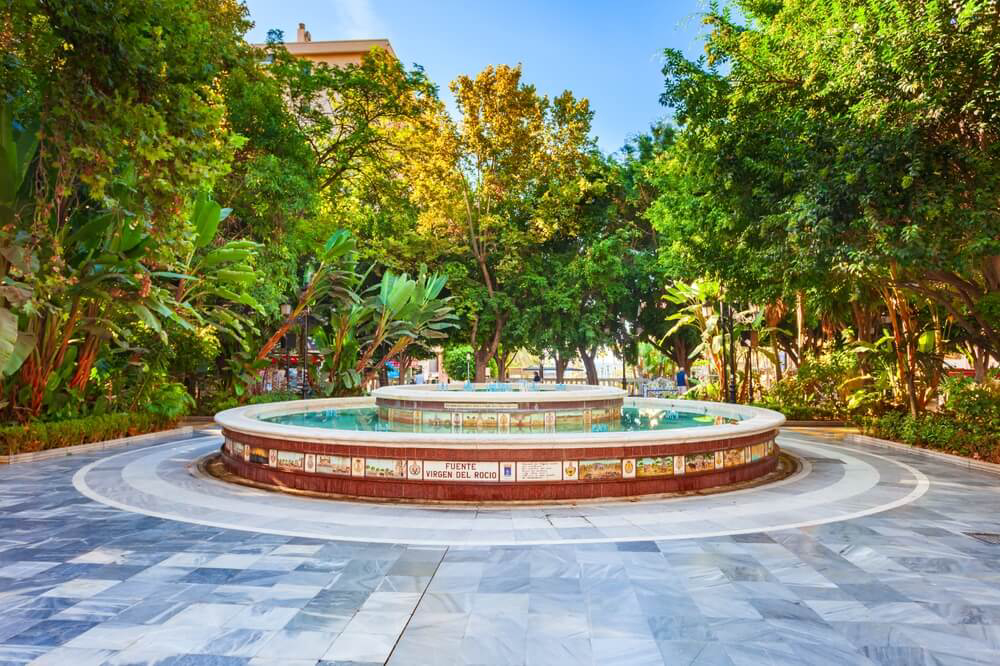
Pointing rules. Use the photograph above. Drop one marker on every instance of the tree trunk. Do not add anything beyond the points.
(481, 361)
(482, 353)
(980, 361)
(777, 356)
(865, 330)
(503, 357)
(85, 362)
(404, 367)
(800, 323)
(562, 362)
(304, 298)
(589, 366)
(681, 354)
(905, 378)
(748, 378)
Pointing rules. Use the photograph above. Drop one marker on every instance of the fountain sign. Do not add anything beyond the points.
(439, 470)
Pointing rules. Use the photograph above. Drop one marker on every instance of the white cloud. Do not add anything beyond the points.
(356, 19)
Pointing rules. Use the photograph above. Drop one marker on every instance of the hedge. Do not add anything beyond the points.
(40, 436)
(943, 432)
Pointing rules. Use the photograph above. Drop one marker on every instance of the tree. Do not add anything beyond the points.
(322, 149)
(128, 125)
(824, 146)
(494, 187)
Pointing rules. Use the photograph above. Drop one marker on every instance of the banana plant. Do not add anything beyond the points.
(404, 312)
(211, 281)
(691, 297)
(17, 261)
(333, 278)
(392, 316)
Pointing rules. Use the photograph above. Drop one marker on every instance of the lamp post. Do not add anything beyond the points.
(286, 311)
(305, 352)
(468, 361)
(746, 342)
(726, 311)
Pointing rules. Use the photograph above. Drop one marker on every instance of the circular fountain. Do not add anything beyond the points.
(498, 442)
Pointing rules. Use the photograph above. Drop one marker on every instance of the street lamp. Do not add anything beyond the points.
(746, 340)
(468, 361)
(305, 352)
(286, 311)
(727, 321)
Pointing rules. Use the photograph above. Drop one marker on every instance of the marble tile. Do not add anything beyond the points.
(262, 617)
(289, 644)
(360, 647)
(77, 656)
(630, 652)
(237, 642)
(109, 636)
(694, 653)
(206, 614)
(80, 588)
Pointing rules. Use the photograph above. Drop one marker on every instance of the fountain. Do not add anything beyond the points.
(498, 442)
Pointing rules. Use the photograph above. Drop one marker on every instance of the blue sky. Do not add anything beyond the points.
(608, 51)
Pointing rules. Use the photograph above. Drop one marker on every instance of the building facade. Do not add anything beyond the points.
(336, 53)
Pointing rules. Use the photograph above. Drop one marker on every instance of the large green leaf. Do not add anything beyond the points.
(22, 347)
(91, 233)
(147, 317)
(206, 217)
(16, 155)
(234, 276)
(225, 255)
(8, 335)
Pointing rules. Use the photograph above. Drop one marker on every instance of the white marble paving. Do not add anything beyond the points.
(162, 481)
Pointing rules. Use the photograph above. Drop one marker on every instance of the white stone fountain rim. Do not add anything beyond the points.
(247, 420)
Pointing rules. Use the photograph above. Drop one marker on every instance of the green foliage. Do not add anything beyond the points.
(125, 88)
(823, 387)
(967, 425)
(397, 316)
(845, 147)
(455, 364)
(122, 100)
(977, 404)
(228, 401)
(947, 432)
(493, 189)
(171, 401)
(39, 436)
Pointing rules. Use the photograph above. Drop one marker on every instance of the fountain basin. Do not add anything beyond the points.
(489, 457)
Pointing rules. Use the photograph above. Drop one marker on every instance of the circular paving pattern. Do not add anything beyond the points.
(834, 484)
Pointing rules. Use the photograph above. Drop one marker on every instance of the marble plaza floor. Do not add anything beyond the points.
(862, 557)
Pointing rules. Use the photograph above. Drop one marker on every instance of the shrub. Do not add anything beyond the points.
(39, 436)
(951, 433)
(821, 388)
(977, 403)
(455, 364)
(221, 402)
(171, 401)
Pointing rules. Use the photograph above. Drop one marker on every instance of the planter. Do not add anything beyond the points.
(49, 454)
(961, 461)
